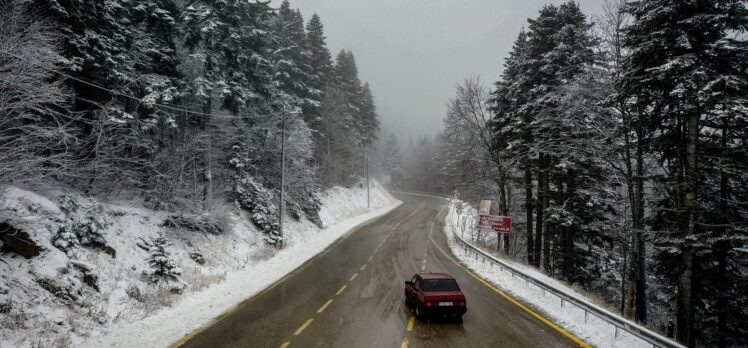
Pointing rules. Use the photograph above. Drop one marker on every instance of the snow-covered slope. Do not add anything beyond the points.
(100, 295)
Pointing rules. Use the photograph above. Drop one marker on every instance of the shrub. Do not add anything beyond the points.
(197, 256)
(85, 227)
(193, 223)
(258, 200)
(66, 240)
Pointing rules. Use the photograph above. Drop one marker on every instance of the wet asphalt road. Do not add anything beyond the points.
(352, 296)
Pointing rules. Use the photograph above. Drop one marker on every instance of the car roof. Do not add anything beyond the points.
(435, 276)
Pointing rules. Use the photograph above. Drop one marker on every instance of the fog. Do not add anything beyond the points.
(413, 52)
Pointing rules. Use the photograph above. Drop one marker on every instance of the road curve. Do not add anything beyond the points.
(352, 296)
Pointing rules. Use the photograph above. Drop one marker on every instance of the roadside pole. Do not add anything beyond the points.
(366, 168)
(368, 183)
(282, 178)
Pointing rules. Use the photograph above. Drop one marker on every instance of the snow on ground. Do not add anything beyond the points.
(125, 310)
(594, 330)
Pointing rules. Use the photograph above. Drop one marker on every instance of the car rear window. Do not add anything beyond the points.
(440, 285)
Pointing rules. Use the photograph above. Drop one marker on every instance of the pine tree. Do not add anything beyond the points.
(290, 55)
(367, 117)
(320, 60)
(512, 129)
(556, 49)
(687, 73)
(321, 69)
(342, 123)
(392, 161)
(162, 266)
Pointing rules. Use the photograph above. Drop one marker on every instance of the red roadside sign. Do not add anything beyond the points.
(500, 224)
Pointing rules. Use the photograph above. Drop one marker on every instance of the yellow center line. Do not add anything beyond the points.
(353, 277)
(285, 344)
(404, 344)
(423, 268)
(411, 322)
(362, 268)
(279, 282)
(324, 306)
(304, 326)
(370, 258)
(289, 275)
(512, 300)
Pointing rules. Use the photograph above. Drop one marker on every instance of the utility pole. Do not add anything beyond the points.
(368, 184)
(283, 177)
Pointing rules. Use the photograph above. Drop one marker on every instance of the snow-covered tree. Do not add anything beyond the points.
(321, 69)
(687, 74)
(291, 56)
(163, 268)
(37, 138)
(392, 161)
(349, 121)
(85, 226)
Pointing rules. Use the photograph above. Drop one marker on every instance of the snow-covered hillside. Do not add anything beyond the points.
(94, 288)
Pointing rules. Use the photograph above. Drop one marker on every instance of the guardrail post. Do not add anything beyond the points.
(543, 290)
(585, 316)
(562, 302)
(616, 334)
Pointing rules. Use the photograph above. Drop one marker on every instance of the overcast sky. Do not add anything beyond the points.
(414, 52)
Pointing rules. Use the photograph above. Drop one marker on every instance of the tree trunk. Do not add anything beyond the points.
(636, 299)
(624, 251)
(568, 254)
(528, 216)
(640, 302)
(723, 311)
(503, 207)
(205, 127)
(543, 192)
(685, 314)
(208, 189)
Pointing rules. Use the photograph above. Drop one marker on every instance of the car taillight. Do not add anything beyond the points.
(461, 304)
(429, 304)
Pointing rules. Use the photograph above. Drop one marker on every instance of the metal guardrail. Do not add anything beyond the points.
(422, 193)
(653, 338)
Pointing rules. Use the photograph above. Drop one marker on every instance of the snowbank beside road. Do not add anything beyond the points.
(343, 209)
(591, 329)
(120, 308)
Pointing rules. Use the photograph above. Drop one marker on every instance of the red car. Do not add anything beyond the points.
(435, 294)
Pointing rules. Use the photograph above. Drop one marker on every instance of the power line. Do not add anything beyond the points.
(136, 98)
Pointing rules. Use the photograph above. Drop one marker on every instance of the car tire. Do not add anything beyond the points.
(408, 303)
(419, 313)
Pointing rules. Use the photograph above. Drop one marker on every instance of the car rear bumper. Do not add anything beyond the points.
(444, 311)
